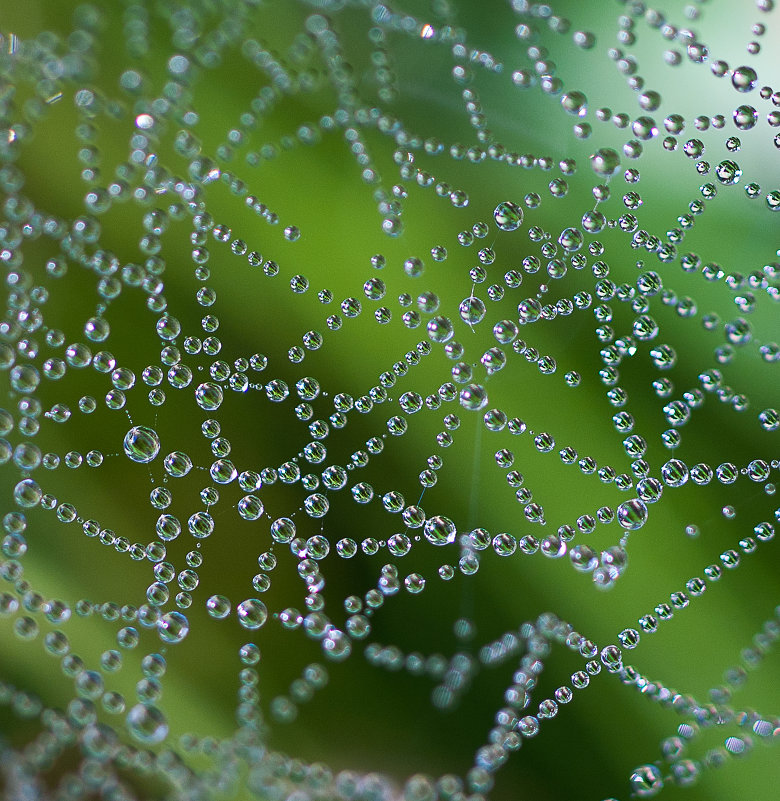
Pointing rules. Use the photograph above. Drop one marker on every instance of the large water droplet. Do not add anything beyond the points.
(173, 627)
(141, 444)
(440, 530)
(646, 781)
(508, 216)
(147, 724)
(252, 613)
(605, 161)
(744, 79)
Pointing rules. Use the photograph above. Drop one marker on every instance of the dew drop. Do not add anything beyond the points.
(605, 162)
(147, 724)
(173, 627)
(252, 613)
(508, 216)
(743, 79)
(141, 444)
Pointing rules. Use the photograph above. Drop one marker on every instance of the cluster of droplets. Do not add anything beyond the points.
(523, 260)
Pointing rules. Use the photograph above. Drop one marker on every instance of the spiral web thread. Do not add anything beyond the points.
(477, 318)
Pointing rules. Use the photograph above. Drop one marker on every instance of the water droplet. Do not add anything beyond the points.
(605, 162)
(173, 627)
(252, 613)
(743, 79)
(646, 781)
(141, 444)
(508, 216)
(147, 724)
(440, 530)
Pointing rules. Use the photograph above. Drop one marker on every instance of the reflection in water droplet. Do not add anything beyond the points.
(141, 444)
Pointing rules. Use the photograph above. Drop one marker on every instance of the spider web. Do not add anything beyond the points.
(389, 393)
